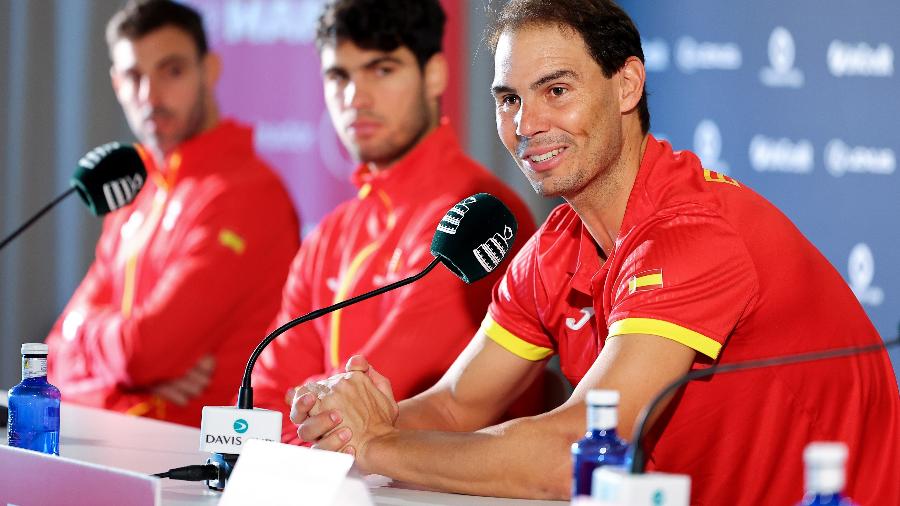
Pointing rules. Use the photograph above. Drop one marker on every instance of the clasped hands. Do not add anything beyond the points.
(347, 411)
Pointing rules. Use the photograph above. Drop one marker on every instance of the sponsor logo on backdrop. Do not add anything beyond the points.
(781, 155)
(264, 21)
(691, 55)
(708, 146)
(781, 72)
(289, 136)
(860, 59)
(656, 55)
(841, 158)
(861, 273)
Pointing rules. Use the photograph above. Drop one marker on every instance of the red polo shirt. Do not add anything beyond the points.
(192, 267)
(703, 260)
(412, 334)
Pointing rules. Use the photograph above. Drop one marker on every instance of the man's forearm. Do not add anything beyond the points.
(524, 458)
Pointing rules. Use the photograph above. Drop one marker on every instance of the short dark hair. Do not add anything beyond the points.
(384, 25)
(140, 17)
(608, 32)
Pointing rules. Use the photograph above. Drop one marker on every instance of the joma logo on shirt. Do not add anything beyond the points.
(587, 314)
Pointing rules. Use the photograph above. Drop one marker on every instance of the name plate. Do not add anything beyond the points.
(279, 474)
(28, 477)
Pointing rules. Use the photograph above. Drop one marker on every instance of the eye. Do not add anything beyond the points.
(509, 100)
(383, 71)
(335, 77)
(558, 91)
(175, 70)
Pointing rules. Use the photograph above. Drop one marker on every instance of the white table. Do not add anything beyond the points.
(150, 446)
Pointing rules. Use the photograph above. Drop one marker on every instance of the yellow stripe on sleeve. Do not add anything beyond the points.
(677, 333)
(515, 345)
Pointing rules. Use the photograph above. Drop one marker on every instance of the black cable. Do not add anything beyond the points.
(191, 473)
(245, 394)
(637, 450)
(34, 218)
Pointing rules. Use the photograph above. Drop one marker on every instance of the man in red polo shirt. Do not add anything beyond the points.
(384, 74)
(187, 277)
(654, 266)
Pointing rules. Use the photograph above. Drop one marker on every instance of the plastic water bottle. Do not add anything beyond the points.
(825, 478)
(601, 445)
(34, 404)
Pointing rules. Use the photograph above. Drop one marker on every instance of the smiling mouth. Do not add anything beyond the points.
(545, 156)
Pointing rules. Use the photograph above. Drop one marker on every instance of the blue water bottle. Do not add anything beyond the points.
(825, 478)
(34, 404)
(601, 445)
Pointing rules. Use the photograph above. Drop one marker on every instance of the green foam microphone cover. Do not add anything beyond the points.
(109, 177)
(474, 237)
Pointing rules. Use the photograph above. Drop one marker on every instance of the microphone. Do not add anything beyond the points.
(471, 240)
(636, 488)
(108, 177)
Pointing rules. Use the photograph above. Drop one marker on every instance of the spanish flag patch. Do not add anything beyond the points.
(715, 177)
(646, 280)
(232, 241)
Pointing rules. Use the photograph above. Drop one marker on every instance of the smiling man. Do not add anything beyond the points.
(187, 277)
(384, 74)
(675, 267)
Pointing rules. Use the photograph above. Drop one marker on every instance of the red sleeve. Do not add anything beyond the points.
(202, 281)
(512, 320)
(298, 355)
(688, 277)
(92, 299)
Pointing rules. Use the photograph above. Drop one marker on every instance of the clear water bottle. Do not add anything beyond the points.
(601, 445)
(34, 404)
(825, 478)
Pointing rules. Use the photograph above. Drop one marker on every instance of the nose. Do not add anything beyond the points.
(530, 120)
(148, 91)
(356, 96)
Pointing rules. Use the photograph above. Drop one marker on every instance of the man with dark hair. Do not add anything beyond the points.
(187, 277)
(384, 74)
(677, 266)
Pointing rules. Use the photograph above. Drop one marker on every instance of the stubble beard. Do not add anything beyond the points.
(594, 179)
(194, 122)
(417, 124)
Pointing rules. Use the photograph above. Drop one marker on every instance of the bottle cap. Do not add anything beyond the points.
(824, 464)
(603, 397)
(35, 349)
(825, 454)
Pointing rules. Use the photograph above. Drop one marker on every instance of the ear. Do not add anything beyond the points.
(212, 68)
(114, 80)
(631, 84)
(436, 76)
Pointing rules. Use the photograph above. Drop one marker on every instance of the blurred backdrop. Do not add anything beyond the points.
(803, 111)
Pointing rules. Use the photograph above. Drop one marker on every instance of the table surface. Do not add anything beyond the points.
(150, 446)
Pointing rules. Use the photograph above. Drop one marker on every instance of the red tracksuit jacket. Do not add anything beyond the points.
(412, 334)
(192, 267)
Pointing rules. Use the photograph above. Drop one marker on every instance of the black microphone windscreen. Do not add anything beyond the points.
(109, 177)
(474, 237)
